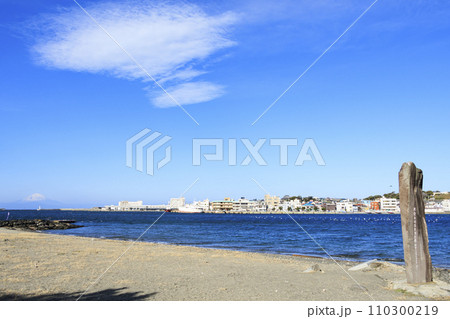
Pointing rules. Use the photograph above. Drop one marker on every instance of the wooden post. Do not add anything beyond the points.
(414, 226)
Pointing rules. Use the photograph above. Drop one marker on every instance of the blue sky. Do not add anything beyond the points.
(70, 97)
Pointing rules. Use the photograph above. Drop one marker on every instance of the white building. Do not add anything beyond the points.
(446, 205)
(433, 207)
(133, 206)
(389, 204)
(204, 205)
(259, 206)
(345, 206)
(245, 205)
(126, 204)
(177, 202)
(294, 204)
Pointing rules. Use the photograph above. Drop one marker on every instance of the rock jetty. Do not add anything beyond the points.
(38, 224)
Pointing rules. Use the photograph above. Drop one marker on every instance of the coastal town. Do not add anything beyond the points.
(435, 203)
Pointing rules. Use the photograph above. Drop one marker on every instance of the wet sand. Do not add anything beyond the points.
(42, 266)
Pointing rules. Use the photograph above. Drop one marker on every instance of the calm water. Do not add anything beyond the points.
(352, 237)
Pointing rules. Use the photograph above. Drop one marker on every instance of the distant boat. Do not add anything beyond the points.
(189, 209)
(39, 208)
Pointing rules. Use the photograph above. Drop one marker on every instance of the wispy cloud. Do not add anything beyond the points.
(169, 40)
(188, 93)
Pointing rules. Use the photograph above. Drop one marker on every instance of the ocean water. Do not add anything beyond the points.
(356, 237)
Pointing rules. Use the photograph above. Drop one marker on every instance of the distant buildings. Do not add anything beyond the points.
(204, 205)
(446, 205)
(225, 205)
(295, 204)
(389, 204)
(308, 206)
(175, 203)
(345, 206)
(375, 205)
(433, 207)
(245, 205)
(126, 204)
(133, 206)
(273, 204)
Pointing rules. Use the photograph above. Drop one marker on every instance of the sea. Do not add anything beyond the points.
(356, 237)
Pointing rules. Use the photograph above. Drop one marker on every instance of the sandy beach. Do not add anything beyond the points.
(41, 266)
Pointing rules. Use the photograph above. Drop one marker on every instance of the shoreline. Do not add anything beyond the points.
(345, 256)
(221, 212)
(44, 266)
(287, 255)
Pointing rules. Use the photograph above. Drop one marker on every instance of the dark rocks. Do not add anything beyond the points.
(442, 274)
(38, 224)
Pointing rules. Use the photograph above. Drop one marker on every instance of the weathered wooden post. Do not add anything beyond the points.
(414, 226)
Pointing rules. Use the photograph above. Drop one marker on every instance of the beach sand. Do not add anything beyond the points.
(42, 266)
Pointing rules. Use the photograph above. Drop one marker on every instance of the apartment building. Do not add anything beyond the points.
(389, 204)
(128, 205)
(177, 202)
(374, 205)
(244, 205)
(345, 206)
(222, 205)
(271, 201)
(204, 205)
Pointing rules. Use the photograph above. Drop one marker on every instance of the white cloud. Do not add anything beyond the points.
(169, 41)
(188, 93)
(36, 197)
